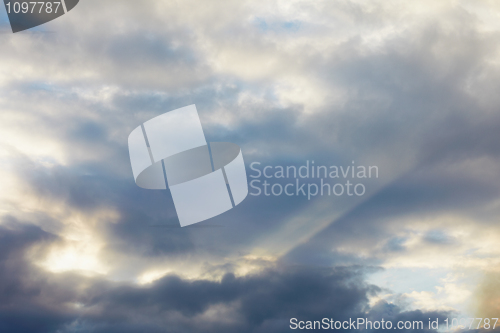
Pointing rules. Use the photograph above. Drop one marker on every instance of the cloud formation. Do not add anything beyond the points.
(409, 87)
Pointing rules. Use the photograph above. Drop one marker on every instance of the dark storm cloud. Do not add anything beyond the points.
(260, 302)
(23, 290)
(35, 301)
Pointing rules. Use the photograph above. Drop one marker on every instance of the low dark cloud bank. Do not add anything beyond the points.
(37, 301)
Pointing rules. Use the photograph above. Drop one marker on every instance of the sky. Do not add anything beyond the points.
(408, 86)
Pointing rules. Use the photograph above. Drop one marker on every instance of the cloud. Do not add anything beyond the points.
(409, 87)
(38, 301)
(487, 296)
(24, 295)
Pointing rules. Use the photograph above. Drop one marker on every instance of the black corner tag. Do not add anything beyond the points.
(25, 15)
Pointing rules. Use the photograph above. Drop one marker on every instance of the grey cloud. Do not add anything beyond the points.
(422, 102)
(420, 193)
(262, 302)
(23, 307)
